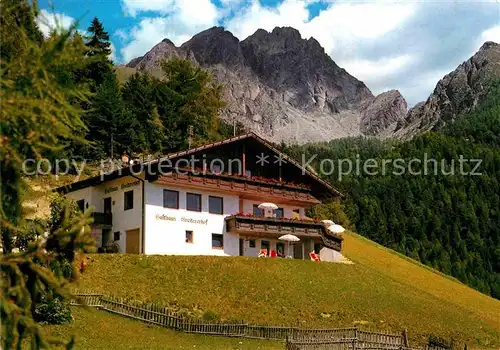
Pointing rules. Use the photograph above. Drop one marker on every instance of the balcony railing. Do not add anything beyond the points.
(259, 226)
(245, 187)
(102, 219)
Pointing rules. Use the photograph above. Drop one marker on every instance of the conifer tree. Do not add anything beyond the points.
(188, 97)
(111, 128)
(98, 64)
(37, 111)
(98, 43)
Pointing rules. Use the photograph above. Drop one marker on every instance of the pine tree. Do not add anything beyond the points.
(188, 97)
(110, 127)
(17, 14)
(98, 43)
(37, 111)
(98, 64)
(140, 101)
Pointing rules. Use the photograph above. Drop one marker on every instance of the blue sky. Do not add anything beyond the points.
(404, 45)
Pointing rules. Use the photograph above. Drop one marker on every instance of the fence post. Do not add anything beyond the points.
(406, 344)
(355, 340)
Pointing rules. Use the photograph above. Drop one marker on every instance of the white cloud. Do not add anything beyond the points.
(255, 16)
(50, 21)
(189, 10)
(185, 20)
(374, 72)
(133, 7)
(148, 33)
(113, 56)
(343, 21)
(419, 86)
(344, 26)
(121, 34)
(492, 34)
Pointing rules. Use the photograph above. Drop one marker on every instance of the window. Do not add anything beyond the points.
(128, 200)
(265, 245)
(296, 214)
(279, 213)
(193, 201)
(257, 211)
(81, 205)
(217, 241)
(189, 236)
(170, 199)
(116, 236)
(317, 248)
(215, 205)
(251, 243)
(280, 249)
(107, 205)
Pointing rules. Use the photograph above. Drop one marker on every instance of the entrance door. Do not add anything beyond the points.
(132, 238)
(242, 245)
(106, 237)
(107, 205)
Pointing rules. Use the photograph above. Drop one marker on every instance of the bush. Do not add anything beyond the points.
(52, 310)
(29, 233)
(210, 315)
(112, 248)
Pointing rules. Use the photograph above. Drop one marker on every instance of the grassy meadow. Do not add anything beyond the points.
(381, 291)
(96, 330)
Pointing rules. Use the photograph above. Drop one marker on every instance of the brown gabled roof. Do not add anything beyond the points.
(126, 172)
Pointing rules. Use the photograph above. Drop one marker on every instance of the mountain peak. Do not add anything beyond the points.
(213, 46)
(287, 32)
(488, 45)
(168, 42)
(276, 82)
(457, 93)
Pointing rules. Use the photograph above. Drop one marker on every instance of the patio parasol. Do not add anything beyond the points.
(268, 209)
(289, 238)
(271, 206)
(335, 228)
(328, 222)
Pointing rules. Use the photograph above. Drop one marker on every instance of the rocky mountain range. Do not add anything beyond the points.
(458, 92)
(288, 89)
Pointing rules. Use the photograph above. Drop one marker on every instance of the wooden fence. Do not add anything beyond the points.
(296, 338)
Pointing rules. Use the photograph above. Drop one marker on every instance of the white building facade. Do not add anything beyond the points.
(201, 214)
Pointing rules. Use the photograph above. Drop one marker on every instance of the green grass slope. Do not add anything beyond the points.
(95, 330)
(382, 290)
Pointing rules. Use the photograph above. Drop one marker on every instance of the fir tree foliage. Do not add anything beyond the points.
(98, 43)
(38, 110)
(98, 65)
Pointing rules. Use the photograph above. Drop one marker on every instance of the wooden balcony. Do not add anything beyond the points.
(102, 220)
(244, 187)
(263, 227)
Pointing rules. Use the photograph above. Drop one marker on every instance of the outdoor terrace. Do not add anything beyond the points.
(270, 227)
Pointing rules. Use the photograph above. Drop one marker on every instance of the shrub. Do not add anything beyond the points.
(210, 315)
(109, 248)
(52, 310)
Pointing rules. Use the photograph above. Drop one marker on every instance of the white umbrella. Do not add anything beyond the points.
(289, 238)
(336, 228)
(328, 222)
(271, 206)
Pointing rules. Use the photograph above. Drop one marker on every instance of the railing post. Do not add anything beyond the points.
(404, 336)
(355, 340)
